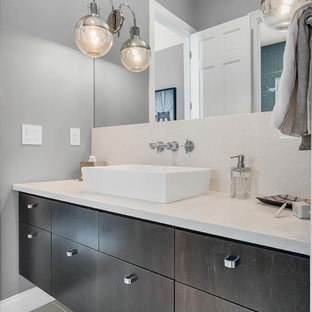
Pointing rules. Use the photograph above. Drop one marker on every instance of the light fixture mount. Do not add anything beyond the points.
(94, 8)
(115, 21)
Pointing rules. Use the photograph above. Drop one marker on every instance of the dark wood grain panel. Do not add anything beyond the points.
(77, 223)
(74, 278)
(35, 256)
(188, 299)
(150, 292)
(142, 243)
(264, 280)
(40, 213)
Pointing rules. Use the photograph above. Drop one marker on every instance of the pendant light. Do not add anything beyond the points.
(92, 34)
(94, 37)
(277, 14)
(135, 53)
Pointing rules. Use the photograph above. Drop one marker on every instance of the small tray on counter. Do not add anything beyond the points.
(281, 199)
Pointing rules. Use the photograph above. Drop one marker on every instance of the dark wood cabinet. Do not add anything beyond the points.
(146, 244)
(87, 281)
(142, 290)
(35, 211)
(74, 275)
(94, 261)
(188, 299)
(35, 255)
(264, 280)
(77, 223)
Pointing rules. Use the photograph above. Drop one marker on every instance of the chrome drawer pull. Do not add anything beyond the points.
(231, 262)
(32, 235)
(31, 206)
(71, 253)
(130, 279)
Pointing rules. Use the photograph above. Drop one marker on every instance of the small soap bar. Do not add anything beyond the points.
(301, 210)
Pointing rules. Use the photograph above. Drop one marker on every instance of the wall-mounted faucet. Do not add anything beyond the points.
(160, 146)
(172, 146)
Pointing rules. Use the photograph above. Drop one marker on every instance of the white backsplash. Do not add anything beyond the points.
(277, 165)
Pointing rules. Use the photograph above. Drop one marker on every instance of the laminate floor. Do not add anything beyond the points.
(54, 306)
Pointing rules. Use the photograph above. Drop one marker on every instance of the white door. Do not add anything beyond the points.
(221, 70)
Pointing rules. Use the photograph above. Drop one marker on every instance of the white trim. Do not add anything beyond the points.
(255, 22)
(26, 301)
(171, 21)
(151, 102)
(165, 17)
(187, 79)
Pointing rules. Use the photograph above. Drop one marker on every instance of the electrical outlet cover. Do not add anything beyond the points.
(31, 135)
(75, 136)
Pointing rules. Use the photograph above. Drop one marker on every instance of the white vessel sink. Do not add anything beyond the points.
(159, 184)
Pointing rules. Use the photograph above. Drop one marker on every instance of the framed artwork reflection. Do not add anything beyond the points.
(165, 105)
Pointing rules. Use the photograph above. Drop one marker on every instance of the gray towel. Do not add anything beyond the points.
(300, 123)
(306, 143)
(286, 115)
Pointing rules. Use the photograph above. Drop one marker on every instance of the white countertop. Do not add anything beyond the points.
(214, 213)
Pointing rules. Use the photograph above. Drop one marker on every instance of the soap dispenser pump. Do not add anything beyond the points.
(240, 179)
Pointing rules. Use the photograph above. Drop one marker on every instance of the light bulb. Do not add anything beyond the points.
(92, 34)
(277, 14)
(135, 53)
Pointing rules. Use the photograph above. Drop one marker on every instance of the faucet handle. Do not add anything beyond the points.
(152, 145)
(160, 146)
(189, 146)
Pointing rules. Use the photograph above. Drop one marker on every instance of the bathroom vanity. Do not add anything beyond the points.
(99, 253)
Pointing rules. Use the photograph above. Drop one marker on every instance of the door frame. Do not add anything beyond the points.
(255, 24)
(162, 15)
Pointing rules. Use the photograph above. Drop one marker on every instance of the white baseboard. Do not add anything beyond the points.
(26, 301)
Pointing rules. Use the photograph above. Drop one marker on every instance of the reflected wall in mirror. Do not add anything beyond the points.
(216, 53)
(222, 59)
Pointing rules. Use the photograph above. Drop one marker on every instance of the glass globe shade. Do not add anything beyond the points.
(277, 14)
(135, 53)
(93, 36)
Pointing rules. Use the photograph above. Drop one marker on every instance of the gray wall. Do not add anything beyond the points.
(121, 97)
(202, 14)
(214, 12)
(169, 73)
(45, 80)
(185, 9)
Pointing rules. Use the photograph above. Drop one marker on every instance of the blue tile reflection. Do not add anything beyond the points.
(271, 70)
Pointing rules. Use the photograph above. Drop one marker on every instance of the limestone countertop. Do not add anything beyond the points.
(214, 213)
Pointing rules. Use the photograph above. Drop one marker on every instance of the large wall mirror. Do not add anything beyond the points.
(210, 58)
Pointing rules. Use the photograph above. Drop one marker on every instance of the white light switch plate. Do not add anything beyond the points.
(74, 136)
(31, 135)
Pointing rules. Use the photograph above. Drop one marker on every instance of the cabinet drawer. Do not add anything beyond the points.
(145, 291)
(35, 210)
(76, 223)
(263, 280)
(188, 299)
(35, 255)
(142, 243)
(74, 277)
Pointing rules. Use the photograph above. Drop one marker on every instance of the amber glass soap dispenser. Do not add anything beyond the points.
(241, 179)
